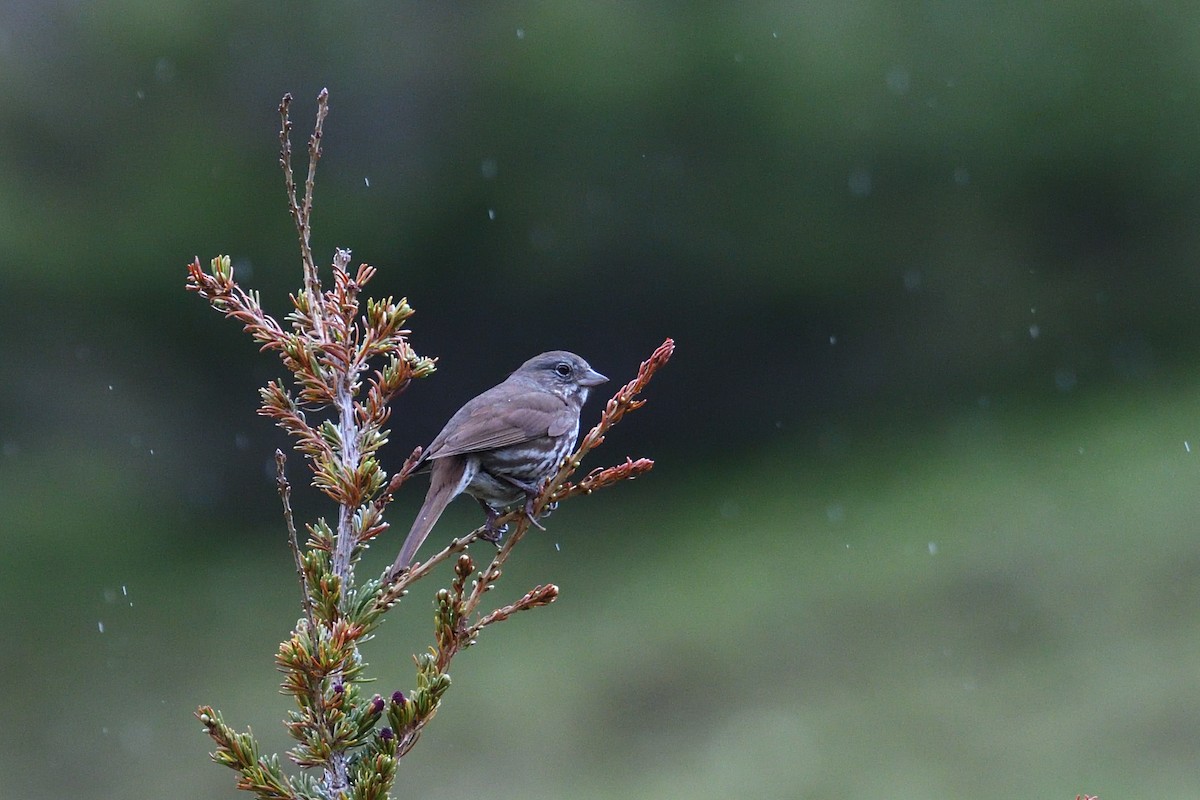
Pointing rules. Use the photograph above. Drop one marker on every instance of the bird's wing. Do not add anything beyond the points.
(499, 419)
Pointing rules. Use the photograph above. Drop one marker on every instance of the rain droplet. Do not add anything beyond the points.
(164, 70)
(859, 182)
(898, 80)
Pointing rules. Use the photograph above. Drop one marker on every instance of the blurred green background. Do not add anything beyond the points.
(924, 518)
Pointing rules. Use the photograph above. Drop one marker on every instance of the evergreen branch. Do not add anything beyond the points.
(349, 358)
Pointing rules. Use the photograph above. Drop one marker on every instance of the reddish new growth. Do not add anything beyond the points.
(624, 401)
(329, 349)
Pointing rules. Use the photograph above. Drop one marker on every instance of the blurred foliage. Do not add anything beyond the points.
(931, 268)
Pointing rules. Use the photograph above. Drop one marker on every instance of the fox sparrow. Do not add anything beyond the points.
(502, 444)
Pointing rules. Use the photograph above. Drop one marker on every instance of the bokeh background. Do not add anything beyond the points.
(924, 520)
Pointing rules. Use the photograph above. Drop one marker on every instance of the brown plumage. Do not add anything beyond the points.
(502, 444)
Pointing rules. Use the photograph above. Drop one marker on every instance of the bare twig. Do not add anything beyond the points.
(285, 495)
(314, 155)
(302, 214)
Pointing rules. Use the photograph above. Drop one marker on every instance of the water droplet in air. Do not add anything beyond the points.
(898, 80)
(1065, 379)
(859, 182)
(164, 70)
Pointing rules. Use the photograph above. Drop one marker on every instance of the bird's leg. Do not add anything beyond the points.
(531, 494)
(491, 531)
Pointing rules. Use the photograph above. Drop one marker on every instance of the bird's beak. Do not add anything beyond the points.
(592, 378)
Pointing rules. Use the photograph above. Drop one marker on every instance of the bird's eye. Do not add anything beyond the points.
(563, 369)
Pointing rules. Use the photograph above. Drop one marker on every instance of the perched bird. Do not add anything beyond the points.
(502, 444)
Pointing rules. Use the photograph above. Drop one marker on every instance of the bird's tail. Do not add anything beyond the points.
(445, 483)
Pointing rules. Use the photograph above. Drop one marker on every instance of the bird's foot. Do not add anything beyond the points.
(533, 520)
(491, 531)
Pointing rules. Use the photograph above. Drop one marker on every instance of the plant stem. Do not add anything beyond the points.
(285, 495)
